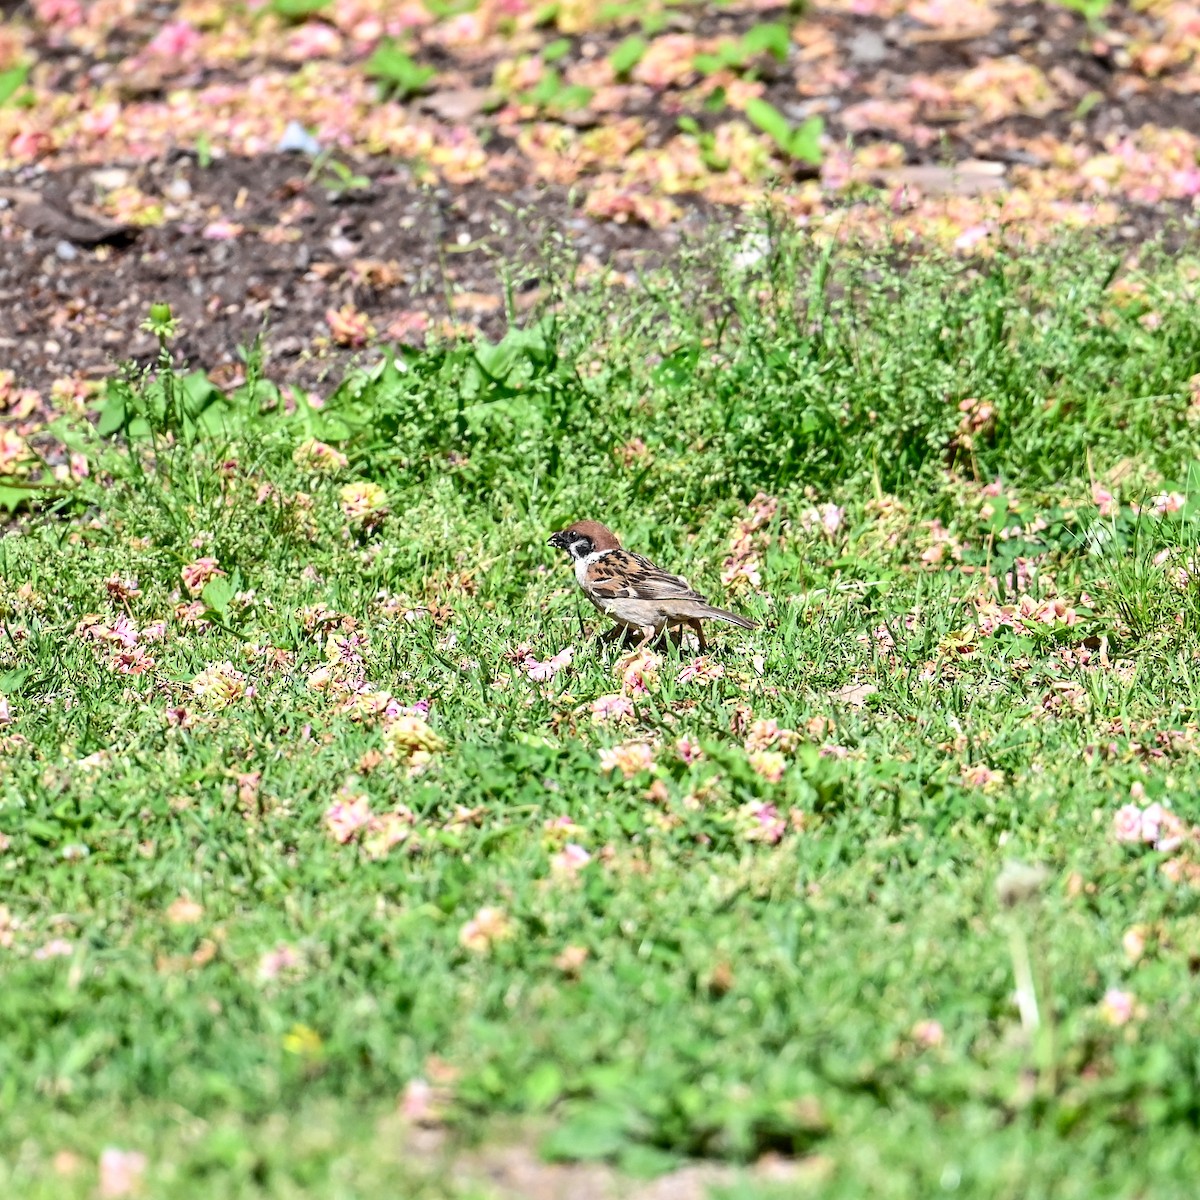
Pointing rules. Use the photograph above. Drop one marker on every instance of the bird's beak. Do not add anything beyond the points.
(555, 540)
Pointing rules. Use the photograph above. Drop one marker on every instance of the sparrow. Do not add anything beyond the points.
(631, 590)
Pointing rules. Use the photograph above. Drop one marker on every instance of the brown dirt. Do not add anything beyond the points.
(75, 291)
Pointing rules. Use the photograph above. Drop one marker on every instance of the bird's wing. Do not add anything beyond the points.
(621, 574)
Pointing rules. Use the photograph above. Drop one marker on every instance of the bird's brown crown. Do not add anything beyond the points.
(602, 538)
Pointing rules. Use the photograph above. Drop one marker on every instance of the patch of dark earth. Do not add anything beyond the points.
(74, 293)
(393, 249)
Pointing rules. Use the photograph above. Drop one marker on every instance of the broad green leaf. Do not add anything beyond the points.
(397, 72)
(112, 412)
(569, 99)
(13, 494)
(11, 682)
(11, 81)
(708, 64)
(769, 38)
(627, 54)
(596, 1133)
(217, 594)
(297, 10)
(543, 1085)
(546, 88)
(770, 120)
(805, 142)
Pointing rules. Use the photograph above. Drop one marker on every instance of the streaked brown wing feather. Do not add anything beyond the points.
(621, 574)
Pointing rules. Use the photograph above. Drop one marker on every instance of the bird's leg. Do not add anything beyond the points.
(699, 628)
(648, 631)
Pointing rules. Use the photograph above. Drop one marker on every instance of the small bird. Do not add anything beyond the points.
(630, 589)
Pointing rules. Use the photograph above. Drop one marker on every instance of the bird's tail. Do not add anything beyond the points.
(722, 614)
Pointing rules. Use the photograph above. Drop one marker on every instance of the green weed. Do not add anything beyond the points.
(308, 817)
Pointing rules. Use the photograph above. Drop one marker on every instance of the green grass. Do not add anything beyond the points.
(738, 995)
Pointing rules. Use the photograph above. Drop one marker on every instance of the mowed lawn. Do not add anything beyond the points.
(325, 820)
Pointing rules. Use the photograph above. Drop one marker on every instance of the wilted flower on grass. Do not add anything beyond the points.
(543, 672)
(1104, 500)
(613, 708)
(700, 670)
(184, 911)
(134, 661)
(928, 1034)
(419, 1103)
(629, 758)
(386, 831)
(409, 734)
(977, 418)
(248, 784)
(760, 511)
(347, 815)
(13, 450)
(319, 456)
(120, 1172)
(365, 702)
(768, 735)
(639, 671)
(364, 504)
(122, 589)
(1162, 828)
(559, 830)
(657, 792)
(349, 326)
(742, 565)
(93, 627)
(1168, 502)
(484, 929)
(688, 750)
(1127, 823)
(1118, 1007)
(350, 815)
(282, 960)
(55, 948)
(1047, 612)
(1133, 942)
(1153, 825)
(346, 649)
(827, 518)
(570, 860)
(174, 40)
(196, 574)
(191, 616)
(1064, 697)
(571, 959)
(761, 822)
(980, 775)
(770, 764)
(219, 685)
(319, 678)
